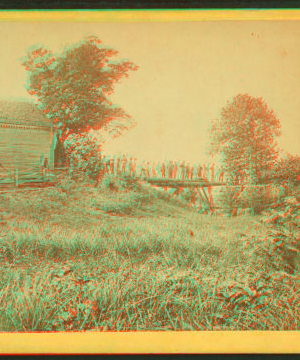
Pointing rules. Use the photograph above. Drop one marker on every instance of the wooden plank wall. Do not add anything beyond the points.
(23, 147)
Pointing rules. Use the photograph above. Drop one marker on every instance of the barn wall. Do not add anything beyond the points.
(23, 147)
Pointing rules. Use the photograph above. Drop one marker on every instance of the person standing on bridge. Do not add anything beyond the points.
(153, 169)
(182, 170)
(104, 165)
(174, 174)
(127, 168)
(147, 169)
(194, 171)
(111, 165)
(130, 166)
(212, 172)
(199, 171)
(187, 170)
(191, 171)
(107, 164)
(217, 173)
(170, 169)
(143, 170)
(118, 165)
(158, 169)
(124, 161)
(221, 174)
(163, 169)
(134, 167)
(204, 174)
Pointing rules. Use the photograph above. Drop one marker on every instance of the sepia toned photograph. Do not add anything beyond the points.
(149, 176)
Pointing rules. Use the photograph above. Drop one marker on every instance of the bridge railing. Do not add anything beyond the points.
(129, 166)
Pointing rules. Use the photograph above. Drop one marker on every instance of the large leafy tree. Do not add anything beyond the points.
(73, 87)
(244, 137)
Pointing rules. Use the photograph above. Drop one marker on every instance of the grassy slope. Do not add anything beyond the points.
(81, 258)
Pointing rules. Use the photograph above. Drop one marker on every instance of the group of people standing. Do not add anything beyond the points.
(124, 165)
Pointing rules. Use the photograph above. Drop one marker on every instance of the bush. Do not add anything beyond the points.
(119, 183)
(255, 197)
(82, 153)
(226, 198)
(279, 248)
(287, 169)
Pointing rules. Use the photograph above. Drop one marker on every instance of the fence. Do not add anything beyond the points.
(16, 177)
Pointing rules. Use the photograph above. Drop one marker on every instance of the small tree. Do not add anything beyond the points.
(244, 137)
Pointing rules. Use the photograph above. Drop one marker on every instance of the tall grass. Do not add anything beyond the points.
(69, 263)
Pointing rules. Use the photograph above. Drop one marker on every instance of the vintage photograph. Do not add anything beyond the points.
(149, 176)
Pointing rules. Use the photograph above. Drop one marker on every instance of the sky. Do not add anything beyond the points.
(187, 72)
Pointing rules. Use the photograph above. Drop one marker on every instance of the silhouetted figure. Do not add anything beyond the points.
(107, 165)
(147, 169)
(124, 161)
(199, 171)
(130, 166)
(158, 169)
(134, 166)
(204, 174)
(163, 169)
(118, 166)
(221, 174)
(187, 171)
(170, 170)
(174, 174)
(127, 167)
(194, 171)
(182, 170)
(104, 165)
(212, 172)
(112, 165)
(45, 167)
(143, 170)
(153, 169)
(46, 163)
(191, 171)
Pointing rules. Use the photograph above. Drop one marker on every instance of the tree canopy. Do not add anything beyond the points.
(244, 137)
(73, 86)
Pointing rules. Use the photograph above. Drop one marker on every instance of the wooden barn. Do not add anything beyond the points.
(26, 137)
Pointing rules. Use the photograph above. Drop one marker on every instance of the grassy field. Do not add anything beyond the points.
(126, 257)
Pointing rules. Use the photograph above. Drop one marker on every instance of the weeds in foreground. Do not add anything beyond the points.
(153, 272)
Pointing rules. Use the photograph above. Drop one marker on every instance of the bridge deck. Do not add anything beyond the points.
(176, 183)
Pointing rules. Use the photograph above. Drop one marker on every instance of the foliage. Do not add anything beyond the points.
(287, 169)
(119, 183)
(226, 198)
(244, 136)
(279, 248)
(82, 152)
(72, 87)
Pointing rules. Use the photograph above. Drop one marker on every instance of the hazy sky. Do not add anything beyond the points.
(187, 72)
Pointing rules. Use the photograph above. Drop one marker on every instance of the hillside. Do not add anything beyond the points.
(124, 257)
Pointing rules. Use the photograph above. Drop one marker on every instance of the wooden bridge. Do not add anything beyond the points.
(199, 185)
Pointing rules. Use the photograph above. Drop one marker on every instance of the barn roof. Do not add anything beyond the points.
(22, 112)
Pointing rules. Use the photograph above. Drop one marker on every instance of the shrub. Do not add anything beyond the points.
(279, 248)
(119, 183)
(226, 198)
(82, 153)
